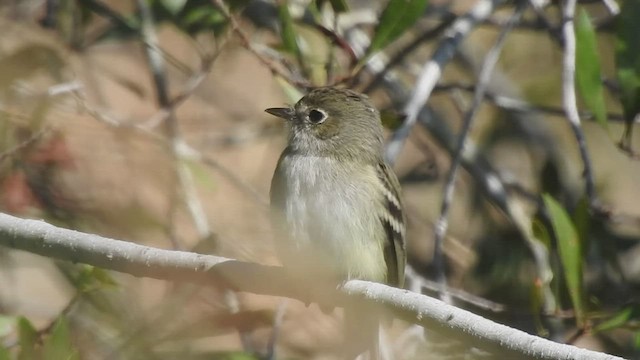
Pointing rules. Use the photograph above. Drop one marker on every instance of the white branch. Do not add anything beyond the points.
(47, 240)
(432, 71)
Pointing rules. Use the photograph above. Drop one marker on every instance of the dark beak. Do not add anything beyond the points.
(284, 113)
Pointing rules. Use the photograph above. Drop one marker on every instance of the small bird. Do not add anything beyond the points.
(336, 200)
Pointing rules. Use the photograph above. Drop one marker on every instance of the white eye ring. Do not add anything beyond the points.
(317, 116)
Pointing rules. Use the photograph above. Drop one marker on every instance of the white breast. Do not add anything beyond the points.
(330, 211)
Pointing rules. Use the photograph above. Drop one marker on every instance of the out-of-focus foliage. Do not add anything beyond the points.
(397, 17)
(58, 344)
(588, 75)
(571, 254)
(628, 62)
(523, 149)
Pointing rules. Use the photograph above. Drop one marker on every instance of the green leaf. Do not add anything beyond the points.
(541, 233)
(7, 324)
(90, 278)
(588, 76)
(570, 249)
(201, 174)
(619, 319)
(636, 340)
(174, 6)
(582, 220)
(27, 338)
(628, 58)
(537, 305)
(337, 5)
(58, 344)
(103, 277)
(398, 16)
(287, 32)
(202, 17)
(4, 353)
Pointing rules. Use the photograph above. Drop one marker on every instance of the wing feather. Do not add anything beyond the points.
(393, 222)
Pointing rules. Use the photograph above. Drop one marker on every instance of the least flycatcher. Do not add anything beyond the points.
(334, 196)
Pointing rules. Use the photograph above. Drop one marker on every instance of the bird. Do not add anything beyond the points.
(336, 203)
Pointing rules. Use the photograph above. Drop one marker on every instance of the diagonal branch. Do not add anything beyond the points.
(442, 224)
(569, 101)
(432, 70)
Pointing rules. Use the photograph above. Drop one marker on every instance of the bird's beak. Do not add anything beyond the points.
(284, 113)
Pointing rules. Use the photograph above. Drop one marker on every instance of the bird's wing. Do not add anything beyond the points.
(393, 220)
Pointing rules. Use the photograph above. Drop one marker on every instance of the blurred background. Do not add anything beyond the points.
(144, 121)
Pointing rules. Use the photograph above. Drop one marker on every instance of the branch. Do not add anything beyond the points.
(442, 223)
(569, 102)
(432, 70)
(47, 240)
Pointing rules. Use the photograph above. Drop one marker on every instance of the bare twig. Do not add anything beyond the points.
(408, 49)
(246, 42)
(442, 223)
(515, 104)
(612, 7)
(432, 70)
(24, 144)
(238, 181)
(275, 332)
(190, 85)
(474, 331)
(569, 97)
(233, 304)
(185, 151)
(182, 173)
(457, 294)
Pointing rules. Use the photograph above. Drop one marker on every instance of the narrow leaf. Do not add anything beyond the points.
(27, 338)
(619, 319)
(287, 32)
(570, 249)
(628, 59)
(58, 344)
(396, 18)
(588, 76)
(582, 220)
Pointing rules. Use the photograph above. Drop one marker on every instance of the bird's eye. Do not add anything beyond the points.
(317, 116)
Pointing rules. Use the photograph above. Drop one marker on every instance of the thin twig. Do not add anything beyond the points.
(442, 223)
(185, 151)
(457, 294)
(447, 20)
(432, 70)
(46, 330)
(190, 86)
(181, 171)
(515, 104)
(233, 304)
(156, 65)
(246, 42)
(238, 181)
(569, 98)
(24, 144)
(275, 331)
